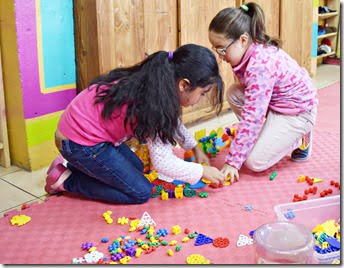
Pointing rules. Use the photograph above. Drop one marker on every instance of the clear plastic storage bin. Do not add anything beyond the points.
(311, 213)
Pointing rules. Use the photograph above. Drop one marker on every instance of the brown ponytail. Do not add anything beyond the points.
(250, 19)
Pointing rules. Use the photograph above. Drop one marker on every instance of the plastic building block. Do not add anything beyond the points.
(156, 191)
(178, 191)
(214, 185)
(143, 153)
(193, 235)
(173, 242)
(301, 178)
(244, 240)
(189, 192)
(105, 240)
(200, 184)
(185, 239)
(249, 208)
(178, 248)
(206, 181)
(77, 260)
(189, 156)
(176, 229)
(146, 219)
(273, 175)
(20, 220)
(221, 242)
(24, 206)
(203, 194)
(170, 252)
(202, 239)
(93, 256)
(87, 245)
(152, 175)
(196, 259)
(107, 217)
(122, 221)
(251, 233)
(164, 195)
(92, 249)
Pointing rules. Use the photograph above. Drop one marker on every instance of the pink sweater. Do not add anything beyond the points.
(82, 123)
(273, 81)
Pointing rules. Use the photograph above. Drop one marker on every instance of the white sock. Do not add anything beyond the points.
(59, 183)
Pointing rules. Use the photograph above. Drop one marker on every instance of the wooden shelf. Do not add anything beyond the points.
(326, 55)
(327, 35)
(327, 15)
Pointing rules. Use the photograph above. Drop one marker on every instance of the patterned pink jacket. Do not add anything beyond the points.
(273, 81)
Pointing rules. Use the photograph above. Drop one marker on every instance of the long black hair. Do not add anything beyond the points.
(233, 22)
(149, 89)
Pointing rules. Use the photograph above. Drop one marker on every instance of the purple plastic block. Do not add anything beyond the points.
(130, 252)
(171, 194)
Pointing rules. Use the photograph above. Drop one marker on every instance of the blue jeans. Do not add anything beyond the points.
(106, 172)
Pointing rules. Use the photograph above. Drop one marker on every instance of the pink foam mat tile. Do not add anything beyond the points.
(328, 119)
(60, 226)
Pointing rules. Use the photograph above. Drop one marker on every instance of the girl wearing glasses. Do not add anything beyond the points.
(275, 101)
(143, 101)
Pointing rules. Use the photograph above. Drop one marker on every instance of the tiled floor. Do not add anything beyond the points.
(19, 187)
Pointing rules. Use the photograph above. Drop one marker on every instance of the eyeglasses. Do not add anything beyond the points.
(222, 51)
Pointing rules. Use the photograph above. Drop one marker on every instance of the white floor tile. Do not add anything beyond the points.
(32, 182)
(11, 196)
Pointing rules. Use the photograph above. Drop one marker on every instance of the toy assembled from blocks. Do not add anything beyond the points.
(272, 86)
(143, 101)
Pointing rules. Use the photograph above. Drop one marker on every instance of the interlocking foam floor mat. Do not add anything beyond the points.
(61, 224)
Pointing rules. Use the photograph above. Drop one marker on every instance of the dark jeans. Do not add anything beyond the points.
(106, 172)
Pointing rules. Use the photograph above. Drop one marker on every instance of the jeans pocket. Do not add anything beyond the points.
(96, 150)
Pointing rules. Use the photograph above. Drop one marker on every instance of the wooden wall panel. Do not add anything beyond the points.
(86, 44)
(195, 17)
(120, 33)
(296, 30)
(160, 25)
(117, 33)
(272, 12)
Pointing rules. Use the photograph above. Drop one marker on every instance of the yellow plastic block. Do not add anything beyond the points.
(92, 249)
(176, 229)
(138, 252)
(173, 242)
(178, 191)
(301, 178)
(164, 195)
(185, 239)
(170, 252)
(122, 220)
(20, 220)
(315, 180)
(195, 259)
(152, 176)
(200, 134)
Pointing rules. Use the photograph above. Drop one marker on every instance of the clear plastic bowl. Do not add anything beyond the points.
(283, 243)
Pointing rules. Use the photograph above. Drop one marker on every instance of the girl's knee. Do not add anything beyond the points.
(234, 92)
(256, 165)
(144, 195)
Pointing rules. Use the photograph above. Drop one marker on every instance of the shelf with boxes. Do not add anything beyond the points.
(328, 28)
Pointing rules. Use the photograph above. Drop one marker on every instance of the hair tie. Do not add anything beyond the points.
(244, 7)
(170, 55)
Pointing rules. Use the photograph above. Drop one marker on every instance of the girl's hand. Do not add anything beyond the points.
(200, 156)
(231, 171)
(213, 174)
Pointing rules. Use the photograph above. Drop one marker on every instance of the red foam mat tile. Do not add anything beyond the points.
(60, 225)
